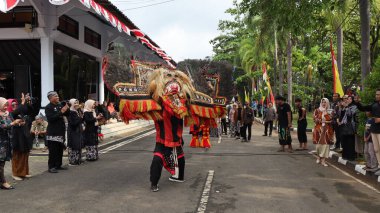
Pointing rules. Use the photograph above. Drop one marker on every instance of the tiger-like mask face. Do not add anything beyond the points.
(172, 84)
(168, 82)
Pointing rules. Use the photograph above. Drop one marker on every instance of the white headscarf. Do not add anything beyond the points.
(324, 109)
(73, 102)
(89, 107)
(3, 101)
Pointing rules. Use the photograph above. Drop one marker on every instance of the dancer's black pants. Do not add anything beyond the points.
(156, 169)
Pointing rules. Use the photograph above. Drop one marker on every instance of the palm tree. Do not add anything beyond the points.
(289, 67)
(336, 19)
(365, 53)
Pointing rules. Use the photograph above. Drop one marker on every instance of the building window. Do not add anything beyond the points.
(76, 74)
(18, 17)
(92, 38)
(69, 26)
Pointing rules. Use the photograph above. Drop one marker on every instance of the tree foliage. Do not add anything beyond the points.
(260, 30)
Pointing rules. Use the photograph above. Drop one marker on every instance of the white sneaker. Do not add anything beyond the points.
(318, 161)
(377, 173)
(17, 178)
(173, 179)
(28, 176)
(325, 164)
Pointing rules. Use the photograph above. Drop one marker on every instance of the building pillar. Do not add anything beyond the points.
(101, 84)
(47, 68)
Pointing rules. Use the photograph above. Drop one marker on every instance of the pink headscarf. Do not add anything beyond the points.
(10, 101)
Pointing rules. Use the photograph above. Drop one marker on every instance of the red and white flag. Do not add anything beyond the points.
(6, 5)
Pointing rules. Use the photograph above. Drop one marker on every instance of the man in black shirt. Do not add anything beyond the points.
(55, 131)
(374, 109)
(284, 118)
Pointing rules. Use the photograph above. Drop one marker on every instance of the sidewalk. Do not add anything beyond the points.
(38, 159)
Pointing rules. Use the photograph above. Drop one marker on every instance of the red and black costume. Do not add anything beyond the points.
(169, 141)
(194, 131)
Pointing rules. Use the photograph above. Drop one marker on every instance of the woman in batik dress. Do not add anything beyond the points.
(323, 131)
(90, 133)
(74, 134)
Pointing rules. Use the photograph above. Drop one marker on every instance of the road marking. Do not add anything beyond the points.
(220, 139)
(356, 179)
(206, 192)
(359, 181)
(112, 141)
(126, 142)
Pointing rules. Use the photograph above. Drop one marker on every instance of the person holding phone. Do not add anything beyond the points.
(6, 124)
(56, 130)
(21, 138)
(90, 134)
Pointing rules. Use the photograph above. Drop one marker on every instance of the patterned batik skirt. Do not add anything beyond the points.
(75, 156)
(232, 129)
(284, 136)
(92, 153)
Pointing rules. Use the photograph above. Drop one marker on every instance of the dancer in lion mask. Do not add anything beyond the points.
(172, 90)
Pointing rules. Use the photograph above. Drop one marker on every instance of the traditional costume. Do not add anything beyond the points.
(90, 133)
(323, 131)
(168, 98)
(74, 134)
(194, 131)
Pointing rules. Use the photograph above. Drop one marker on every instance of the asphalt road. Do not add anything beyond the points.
(248, 177)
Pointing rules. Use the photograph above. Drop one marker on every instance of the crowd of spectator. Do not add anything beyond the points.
(67, 125)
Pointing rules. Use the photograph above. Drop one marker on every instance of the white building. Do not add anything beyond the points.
(44, 47)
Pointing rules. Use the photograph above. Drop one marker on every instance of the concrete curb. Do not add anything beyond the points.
(334, 156)
(353, 165)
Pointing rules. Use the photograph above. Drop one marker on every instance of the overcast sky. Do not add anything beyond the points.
(183, 28)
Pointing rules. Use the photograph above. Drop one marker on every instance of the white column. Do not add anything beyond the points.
(47, 68)
(101, 84)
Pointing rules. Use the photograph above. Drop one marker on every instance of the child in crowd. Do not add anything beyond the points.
(369, 150)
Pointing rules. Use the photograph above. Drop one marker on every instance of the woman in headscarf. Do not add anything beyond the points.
(6, 124)
(90, 133)
(347, 127)
(74, 134)
(232, 116)
(12, 105)
(21, 139)
(323, 131)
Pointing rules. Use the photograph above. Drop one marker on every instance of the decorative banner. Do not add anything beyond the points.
(59, 2)
(131, 80)
(122, 27)
(336, 81)
(266, 80)
(6, 5)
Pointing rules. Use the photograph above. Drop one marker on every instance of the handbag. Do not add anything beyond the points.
(347, 129)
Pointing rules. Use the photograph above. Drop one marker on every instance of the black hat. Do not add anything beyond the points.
(280, 98)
